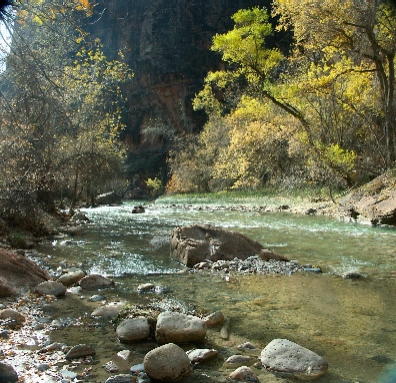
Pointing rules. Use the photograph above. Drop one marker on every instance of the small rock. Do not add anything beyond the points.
(137, 369)
(162, 289)
(201, 355)
(12, 315)
(167, 363)
(138, 209)
(224, 332)
(244, 374)
(124, 354)
(214, 319)
(80, 351)
(110, 367)
(146, 288)
(133, 330)
(95, 281)
(352, 275)
(143, 378)
(66, 374)
(7, 373)
(71, 278)
(235, 361)
(122, 378)
(50, 288)
(97, 298)
(43, 367)
(110, 310)
(247, 346)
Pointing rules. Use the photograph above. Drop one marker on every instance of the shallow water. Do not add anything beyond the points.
(351, 323)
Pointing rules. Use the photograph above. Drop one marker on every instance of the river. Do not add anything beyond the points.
(351, 323)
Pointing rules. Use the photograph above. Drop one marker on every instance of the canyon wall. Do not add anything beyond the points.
(166, 43)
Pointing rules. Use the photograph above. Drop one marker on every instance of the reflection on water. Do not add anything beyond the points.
(351, 323)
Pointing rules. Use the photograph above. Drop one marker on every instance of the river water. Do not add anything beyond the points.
(351, 323)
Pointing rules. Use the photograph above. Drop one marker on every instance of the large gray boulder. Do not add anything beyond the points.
(288, 359)
(194, 244)
(167, 363)
(173, 327)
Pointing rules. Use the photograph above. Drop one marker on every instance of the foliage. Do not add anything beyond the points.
(324, 114)
(155, 186)
(60, 111)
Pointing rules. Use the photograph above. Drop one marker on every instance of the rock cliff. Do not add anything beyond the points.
(166, 43)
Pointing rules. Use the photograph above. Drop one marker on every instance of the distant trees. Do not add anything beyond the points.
(323, 114)
(60, 112)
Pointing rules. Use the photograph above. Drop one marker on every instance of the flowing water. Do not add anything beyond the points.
(351, 323)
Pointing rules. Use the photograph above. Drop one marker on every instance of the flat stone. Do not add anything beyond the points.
(12, 314)
(72, 277)
(122, 378)
(95, 281)
(286, 358)
(110, 310)
(80, 351)
(235, 361)
(51, 288)
(199, 355)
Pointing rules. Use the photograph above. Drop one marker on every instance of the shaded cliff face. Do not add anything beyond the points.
(166, 43)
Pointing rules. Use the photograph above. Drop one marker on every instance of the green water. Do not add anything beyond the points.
(351, 323)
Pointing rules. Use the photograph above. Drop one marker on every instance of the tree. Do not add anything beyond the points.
(60, 108)
(359, 34)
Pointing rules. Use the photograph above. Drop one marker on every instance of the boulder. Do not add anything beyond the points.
(288, 359)
(18, 273)
(50, 288)
(133, 330)
(95, 281)
(7, 373)
(167, 363)
(194, 244)
(179, 328)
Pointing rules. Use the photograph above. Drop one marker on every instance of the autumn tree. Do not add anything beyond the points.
(60, 110)
(351, 37)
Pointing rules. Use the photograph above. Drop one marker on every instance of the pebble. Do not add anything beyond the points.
(214, 319)
(96, 298)
(247, 346)
(110, 367)
(201, 355)
(137, 369)
(122, 378)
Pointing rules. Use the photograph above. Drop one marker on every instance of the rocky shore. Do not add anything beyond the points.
(164, 340)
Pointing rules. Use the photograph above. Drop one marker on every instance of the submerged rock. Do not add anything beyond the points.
(51, 288)
(80, 351)
(286, 358)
